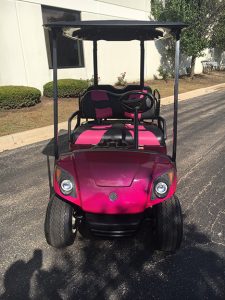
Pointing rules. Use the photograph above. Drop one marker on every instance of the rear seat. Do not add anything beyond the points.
(102, 103)
(91, 133)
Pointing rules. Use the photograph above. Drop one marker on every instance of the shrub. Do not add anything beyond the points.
(66, 88)
(91, 81)
(18, 96)
(121, 80)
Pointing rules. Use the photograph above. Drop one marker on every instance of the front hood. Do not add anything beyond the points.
(127, 175)
(111, 169)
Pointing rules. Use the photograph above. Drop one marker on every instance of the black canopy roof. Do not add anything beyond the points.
(115, 30)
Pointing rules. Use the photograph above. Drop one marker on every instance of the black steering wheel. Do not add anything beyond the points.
(139, 104)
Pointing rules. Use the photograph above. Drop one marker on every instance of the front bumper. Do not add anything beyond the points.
(113, 225)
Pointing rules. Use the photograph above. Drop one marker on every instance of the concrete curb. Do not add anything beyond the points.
(16, 140)
(194, 93)
(24, 138)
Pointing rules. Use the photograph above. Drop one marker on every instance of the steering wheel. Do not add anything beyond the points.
(138, 104)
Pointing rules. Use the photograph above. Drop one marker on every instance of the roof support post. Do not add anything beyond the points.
(136, 129)
(55, 91)
(95, 62)
(176, 90)
(142, 63)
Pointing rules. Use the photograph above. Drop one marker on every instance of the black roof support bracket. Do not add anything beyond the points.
(176, 93)
(95, 61)
(55, 33)
(142, 63)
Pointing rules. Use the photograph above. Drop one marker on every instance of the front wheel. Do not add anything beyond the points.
(60, 223)
(169, 225)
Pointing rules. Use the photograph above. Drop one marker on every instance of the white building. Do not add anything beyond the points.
(25, 55)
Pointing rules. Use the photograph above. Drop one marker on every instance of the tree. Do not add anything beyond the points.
(218, 34)
(200, 15)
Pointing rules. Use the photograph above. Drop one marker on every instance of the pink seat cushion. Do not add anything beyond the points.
(90, 137)
(131, 115)
(145, 136)
(92, 134)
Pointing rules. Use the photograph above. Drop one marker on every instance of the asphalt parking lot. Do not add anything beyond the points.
(126, 268)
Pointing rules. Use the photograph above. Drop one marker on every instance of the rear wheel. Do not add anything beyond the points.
(60, 223)
(169, 225)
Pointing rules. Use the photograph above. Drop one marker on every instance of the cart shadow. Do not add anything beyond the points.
(17, 279)
(120, 269)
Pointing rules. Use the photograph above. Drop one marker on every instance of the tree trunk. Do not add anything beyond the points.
(193, 60)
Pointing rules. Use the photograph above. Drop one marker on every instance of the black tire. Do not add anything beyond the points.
(169, 225)
(59, 231)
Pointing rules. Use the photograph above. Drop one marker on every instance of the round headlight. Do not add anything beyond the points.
(66, 186)
(161, 189)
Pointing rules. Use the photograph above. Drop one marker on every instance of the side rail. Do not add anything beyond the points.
(157, 96)
(75, 114)
(162, 125)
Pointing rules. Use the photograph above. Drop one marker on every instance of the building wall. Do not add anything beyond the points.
(12, 58)
(24, 59)
(143, 5)
(23, 56)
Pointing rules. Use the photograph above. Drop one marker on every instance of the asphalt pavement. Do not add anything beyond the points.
(126, 268)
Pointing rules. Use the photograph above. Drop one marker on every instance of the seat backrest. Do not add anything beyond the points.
(110, 88)
(99, 103)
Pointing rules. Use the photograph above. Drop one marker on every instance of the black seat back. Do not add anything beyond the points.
(103, 101)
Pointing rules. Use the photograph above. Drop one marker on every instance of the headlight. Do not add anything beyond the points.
(66, 187)
(65, 181)
(161, 189)
(162, 185)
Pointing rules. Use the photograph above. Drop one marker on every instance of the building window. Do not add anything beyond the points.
(69, 52)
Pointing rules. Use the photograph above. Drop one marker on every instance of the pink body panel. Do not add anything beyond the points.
(105, 172)
(159, 149)
(129, 174)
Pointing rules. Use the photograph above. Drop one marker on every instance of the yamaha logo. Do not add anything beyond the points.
(113, 196)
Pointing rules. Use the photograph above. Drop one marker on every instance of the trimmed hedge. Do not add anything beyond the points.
(66, 88)
(12, 96)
